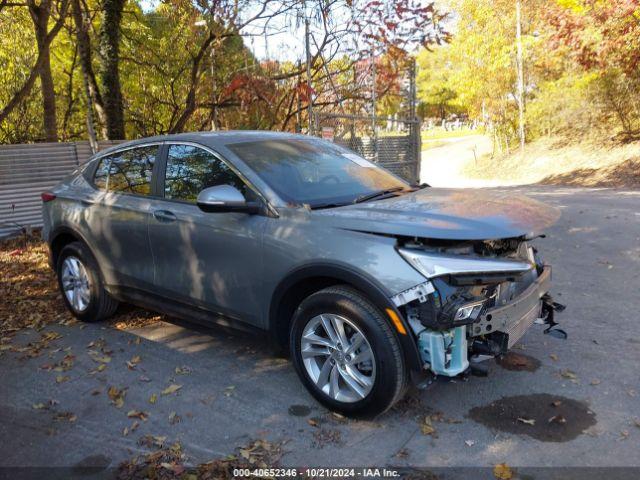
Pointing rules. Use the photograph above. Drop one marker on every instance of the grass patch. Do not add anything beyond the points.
(439, 133)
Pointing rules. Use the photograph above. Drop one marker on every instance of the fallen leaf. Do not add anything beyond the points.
(470, 443)
(125, 432)
(313, 422)
(174, 418)
(557, 419)
(568, 374)
(229, 390)
(152, 441)
(502, 471)
(131, 364)
(553, 357)
(556, 403)
(624, 434)
(62, 378)
(153, 398)
(117, 396)
(143, 378)
(595, 381)
(528, 421)
(184, 370)
(636, 422)
(68, 416)
(402, 453)
(138, 414)
(173, 388)
(426, 427)
(38, 406)
(97, 357)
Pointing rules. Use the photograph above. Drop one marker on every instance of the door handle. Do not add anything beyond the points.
(164, 216)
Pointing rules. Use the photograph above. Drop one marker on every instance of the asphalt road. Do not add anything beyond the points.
(232, 391)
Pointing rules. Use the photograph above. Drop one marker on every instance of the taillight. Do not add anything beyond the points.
(47, 197)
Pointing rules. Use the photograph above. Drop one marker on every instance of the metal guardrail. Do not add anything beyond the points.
(26, 170)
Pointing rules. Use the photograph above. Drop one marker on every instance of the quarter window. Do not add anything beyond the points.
(102, 174)
(191, 169)
(130, 170)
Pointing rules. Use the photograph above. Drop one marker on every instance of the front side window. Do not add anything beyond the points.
(191, 169)
(314, 172)
(131, 170)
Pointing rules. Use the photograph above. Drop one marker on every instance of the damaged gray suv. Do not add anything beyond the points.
(369, 283)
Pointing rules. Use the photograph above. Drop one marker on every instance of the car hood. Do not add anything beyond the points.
(465, 214)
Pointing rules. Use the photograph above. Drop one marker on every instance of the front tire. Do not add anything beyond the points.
(81, 284)
(346, 353)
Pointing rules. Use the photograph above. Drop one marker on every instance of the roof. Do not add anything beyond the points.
(212, 139)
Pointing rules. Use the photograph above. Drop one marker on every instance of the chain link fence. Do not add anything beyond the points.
(390, 142)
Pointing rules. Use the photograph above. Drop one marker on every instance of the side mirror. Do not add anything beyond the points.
(225, 198)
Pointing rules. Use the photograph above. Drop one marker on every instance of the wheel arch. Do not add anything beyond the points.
(62, 236)
(306, 280)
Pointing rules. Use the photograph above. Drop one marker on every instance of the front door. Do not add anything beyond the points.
(211, 260)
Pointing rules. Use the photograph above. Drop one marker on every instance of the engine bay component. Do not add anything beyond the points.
(446, 351)
(419, 292)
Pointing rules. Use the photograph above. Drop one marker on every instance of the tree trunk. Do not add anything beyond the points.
(84, 51)
(40, 15)
(110, 76)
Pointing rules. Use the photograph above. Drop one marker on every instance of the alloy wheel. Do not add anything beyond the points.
(75, 283)
(338, 357)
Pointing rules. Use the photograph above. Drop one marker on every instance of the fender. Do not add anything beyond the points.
(361, 281)
(60, 230)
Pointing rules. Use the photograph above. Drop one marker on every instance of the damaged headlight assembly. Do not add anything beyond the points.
(461, 288)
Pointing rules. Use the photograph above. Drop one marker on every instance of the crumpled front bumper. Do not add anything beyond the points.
(515, 317)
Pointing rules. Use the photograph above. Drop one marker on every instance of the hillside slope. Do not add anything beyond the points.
(553, 161)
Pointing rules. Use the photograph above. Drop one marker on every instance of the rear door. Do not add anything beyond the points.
(211, 260)
(119, 217)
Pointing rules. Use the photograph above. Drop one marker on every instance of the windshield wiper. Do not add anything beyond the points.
(320, 206)
(376, 194)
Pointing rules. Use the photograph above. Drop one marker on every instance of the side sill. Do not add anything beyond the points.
(181, 310)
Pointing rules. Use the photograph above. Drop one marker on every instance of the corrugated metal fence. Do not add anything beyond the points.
(26, 170)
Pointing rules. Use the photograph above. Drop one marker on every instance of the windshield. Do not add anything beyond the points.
(314, 172)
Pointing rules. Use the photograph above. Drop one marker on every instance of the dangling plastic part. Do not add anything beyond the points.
(549, 307)
(446, 351)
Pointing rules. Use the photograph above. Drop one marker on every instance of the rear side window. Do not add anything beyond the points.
(191, 169)
(102, 174)
(128, 171)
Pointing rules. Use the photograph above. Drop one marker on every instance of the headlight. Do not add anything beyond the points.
(434, 264)
(468, 312)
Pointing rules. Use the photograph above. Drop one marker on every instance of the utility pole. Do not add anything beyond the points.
(520, 68)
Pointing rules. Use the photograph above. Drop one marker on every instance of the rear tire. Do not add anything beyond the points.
(81, 284)
(365, 377)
